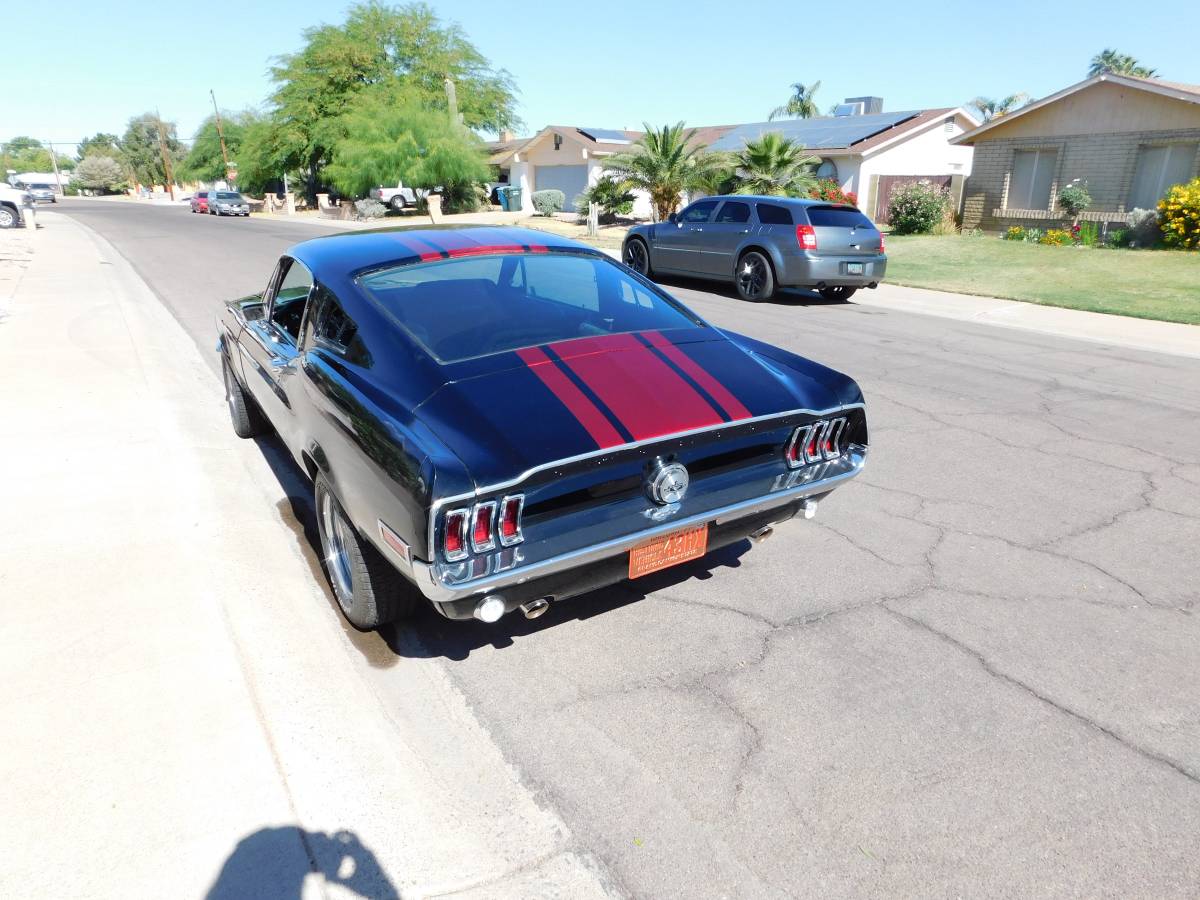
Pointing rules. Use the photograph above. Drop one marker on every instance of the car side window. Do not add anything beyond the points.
(331, 329)
(770, 214)
(287, 306)
(733, 213)
(698, 212)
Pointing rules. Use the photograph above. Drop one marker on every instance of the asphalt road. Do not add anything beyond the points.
(973, 674)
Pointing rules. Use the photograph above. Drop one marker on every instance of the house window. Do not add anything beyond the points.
(1158, 169)
(1029, 183)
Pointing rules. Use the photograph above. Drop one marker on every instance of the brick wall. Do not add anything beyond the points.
(1106, 161)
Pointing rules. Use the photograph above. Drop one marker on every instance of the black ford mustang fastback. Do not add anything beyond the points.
(503, 418)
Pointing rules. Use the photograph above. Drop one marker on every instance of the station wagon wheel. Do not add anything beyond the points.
(636, 256)
(368, 589)
(838, 293)
(754, 277)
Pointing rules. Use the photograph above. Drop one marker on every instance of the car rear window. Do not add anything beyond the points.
(227, 195)
(770, 214)
(837, 217)
(464, 308)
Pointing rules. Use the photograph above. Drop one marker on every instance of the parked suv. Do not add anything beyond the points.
(199, 201)
(761, 244)
(14, 206)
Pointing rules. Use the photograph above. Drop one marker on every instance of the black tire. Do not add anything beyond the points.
(636, 255)
(754, 278)
(397, 203)
(368, 588)
(838, 293)
(248, 420)
(9, 217)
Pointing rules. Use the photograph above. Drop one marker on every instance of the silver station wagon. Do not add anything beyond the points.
(762, 244)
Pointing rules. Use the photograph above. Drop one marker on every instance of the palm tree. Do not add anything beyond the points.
(990, 109)
(800, 105)
(1110, 60)
(776, 165)
(664, 163)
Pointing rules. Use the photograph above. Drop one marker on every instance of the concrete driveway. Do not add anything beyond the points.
(973, 674)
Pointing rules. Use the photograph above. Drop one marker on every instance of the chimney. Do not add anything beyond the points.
(505, 136)
(870, 105)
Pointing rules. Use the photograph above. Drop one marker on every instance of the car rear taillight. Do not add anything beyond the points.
(509, 526)
(881, 248)
(806, 237)
(482, 520)
(816, 442)
(454, 535)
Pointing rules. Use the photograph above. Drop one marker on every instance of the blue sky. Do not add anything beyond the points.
(88, 66)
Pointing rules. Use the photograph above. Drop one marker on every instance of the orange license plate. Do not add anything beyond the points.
(668, 551)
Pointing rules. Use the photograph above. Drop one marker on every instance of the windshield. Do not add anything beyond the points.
(462, 308)
(226, 195)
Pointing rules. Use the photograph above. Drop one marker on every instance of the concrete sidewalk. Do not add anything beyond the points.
(183, 711)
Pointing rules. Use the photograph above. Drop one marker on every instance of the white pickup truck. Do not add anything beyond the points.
(14, 206)
(396, 197)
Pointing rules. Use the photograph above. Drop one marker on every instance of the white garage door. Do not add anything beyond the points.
(571, 180)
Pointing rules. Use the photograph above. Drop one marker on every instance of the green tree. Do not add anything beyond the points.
(664, 163)
(379, 44)
(775, 165)
(140, 148)
(391, 135)
(801, 105)
(265, 155)
(990, 109)
(100, 144)
(26, 154)
(204, 162)
(1110, 60)
(100, 172)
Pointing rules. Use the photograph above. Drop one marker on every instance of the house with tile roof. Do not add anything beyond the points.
(1131, 139)
(865, 150)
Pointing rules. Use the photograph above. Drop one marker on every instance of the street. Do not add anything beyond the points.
(972, 673)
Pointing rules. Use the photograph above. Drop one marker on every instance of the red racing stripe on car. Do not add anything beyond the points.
(647, 396)
(733, 407)
(413, 246)
(486, 250)
(583, 409)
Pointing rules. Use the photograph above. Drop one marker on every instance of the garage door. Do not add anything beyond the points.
(571, 180)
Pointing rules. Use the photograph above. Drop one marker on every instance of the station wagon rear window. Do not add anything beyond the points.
(464, 308)
(837, 217)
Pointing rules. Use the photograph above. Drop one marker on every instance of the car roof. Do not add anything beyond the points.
(346, 253)
(781, 201)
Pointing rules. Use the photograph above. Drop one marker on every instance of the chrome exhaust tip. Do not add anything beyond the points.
(762, 534)
(808, 508)
(490, 609)
(535, 608)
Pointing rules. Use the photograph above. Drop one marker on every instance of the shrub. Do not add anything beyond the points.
(1118, 237)
(1033, 235)
(916, 207)
(369, 209)
(831, 192)
(612, 196)
(1056, 237)
(462, 197)
(1074, 198)
(1014, 233)
(547, 203)
(1179, 213)
(1143, 227)
(1087, 234)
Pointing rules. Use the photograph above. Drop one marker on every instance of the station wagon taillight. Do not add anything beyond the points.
(806, 237)
(817, 442)
(454, 535)
(881, 250)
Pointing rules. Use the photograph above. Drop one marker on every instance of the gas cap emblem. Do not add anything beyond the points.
(668, 482)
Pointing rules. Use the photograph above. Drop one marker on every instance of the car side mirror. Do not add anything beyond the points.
(673, 218)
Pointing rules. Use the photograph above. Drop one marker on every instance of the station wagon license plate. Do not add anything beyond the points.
(664, 552)
(854, 268)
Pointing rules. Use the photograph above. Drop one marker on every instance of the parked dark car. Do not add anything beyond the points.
(199, 202)
(503, 418)
(43, 193)
(227, 203)
(761, 244)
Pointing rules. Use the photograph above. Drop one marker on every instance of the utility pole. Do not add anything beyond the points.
(162, 146)
(220, 132)
(54, 162)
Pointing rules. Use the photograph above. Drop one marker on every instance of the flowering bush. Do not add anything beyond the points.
(1014, 233)
(1179, 214)
(831, 192)
(1056, 237)
(1074, 198)
(916, 207)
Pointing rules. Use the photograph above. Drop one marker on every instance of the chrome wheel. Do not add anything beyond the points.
(636, 257)
(8, 219)
(753, 276)
(334, 539)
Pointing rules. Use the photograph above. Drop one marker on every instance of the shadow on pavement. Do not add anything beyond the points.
(783, 297)
(273, 863)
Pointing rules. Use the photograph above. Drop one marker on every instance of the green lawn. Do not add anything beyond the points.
(1148, 284)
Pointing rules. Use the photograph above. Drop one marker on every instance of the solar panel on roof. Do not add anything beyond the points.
(607, 135)
(815, 134)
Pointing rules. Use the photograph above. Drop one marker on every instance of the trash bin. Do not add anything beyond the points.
(502, 196)
(514, 199)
